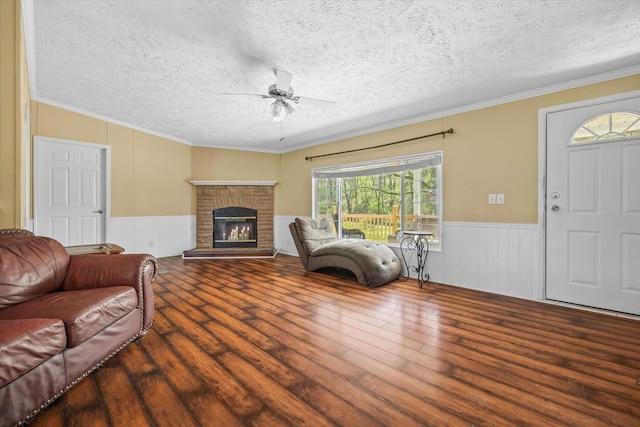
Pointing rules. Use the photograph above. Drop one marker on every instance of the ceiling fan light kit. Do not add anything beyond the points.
(278, 111)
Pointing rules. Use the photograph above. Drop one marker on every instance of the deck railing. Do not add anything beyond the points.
(384, 228)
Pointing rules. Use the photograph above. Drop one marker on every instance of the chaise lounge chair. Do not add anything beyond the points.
(319, 247)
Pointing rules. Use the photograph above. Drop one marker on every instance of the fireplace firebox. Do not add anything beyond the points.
(235, 227)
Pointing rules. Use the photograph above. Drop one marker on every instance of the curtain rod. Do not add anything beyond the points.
(380, 146)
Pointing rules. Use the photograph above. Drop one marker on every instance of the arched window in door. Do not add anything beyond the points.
(618, 125)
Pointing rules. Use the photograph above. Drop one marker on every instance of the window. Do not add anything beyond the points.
(377, 200)
(606, 127)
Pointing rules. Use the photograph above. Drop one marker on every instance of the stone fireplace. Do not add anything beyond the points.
(252, 195)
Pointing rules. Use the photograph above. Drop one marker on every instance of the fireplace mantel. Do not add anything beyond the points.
(269, 183)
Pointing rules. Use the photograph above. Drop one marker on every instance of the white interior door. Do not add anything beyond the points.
(593, 213)
(70, 191)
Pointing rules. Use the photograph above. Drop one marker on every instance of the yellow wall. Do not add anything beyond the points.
(215, 164)
(24, 184)
(13, 93)
(492, 150)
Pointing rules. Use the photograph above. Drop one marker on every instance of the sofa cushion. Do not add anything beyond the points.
(30, 267)
(26, 343)
(315, 232)
(84, 312)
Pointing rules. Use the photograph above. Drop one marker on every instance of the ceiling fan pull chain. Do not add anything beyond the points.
(282, 130)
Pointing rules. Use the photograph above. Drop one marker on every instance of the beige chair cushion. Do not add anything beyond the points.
(376, 263)
(315, 233)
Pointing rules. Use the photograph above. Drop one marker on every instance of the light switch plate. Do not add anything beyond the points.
(500, 199)
(492, 199)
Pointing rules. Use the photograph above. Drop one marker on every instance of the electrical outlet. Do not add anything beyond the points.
(492, 199)
(500, 199)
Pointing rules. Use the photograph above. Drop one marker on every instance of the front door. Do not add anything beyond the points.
(70, 197)
(593, 206)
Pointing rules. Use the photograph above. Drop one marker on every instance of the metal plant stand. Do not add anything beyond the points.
(415, 242)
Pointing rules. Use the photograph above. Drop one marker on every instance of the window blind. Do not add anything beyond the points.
(400, 164)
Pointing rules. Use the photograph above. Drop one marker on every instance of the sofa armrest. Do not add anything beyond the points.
(96, 271)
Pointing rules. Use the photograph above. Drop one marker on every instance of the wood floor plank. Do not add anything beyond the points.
(566, 337)
(573, 410)
(547, 363)
(255, 301)
(378, 408)
(175, 298)
(52, 416)
(216, 296)
(240, 327)
(337, 408)
(422, 400)
(310, 350)
(433, 415)
(163, 403)
(94, 416)
(297, 330)
(353, 339)
(86, 395)
(241, 401)
(267, 417)
(261, 342)
(231, 305)
(542, 352)
(275, 395)
(255, 355)
(123, 405)
(211, 411)
(193, 329)
(136, 360)
(528, 380)
(168, 361)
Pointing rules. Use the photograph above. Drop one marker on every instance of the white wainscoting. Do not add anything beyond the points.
(160, 236)
(499, 258)
(282, 236)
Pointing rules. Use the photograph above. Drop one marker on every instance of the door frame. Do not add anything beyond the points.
(542, 175)
(105, 151)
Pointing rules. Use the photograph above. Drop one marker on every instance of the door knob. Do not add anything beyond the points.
(555, 208)
(100, 211)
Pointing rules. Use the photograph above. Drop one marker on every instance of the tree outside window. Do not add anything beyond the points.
(378, 200)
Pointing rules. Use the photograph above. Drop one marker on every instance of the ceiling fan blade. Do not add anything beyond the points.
(312, 101)
(283, 80)
(248, 94)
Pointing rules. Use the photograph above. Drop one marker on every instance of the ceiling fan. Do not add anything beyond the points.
(282, 92)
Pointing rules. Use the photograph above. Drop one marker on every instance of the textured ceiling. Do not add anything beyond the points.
(162, 65)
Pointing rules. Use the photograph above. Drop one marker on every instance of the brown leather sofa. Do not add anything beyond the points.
(319, 246)
(62, 317)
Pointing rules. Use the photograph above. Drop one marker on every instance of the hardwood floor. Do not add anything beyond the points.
(260, 342)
